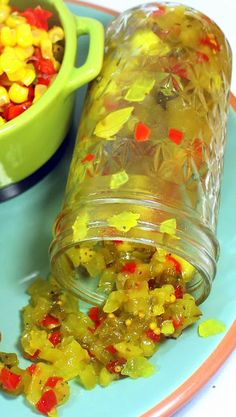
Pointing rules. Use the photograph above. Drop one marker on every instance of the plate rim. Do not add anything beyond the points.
(185, 392)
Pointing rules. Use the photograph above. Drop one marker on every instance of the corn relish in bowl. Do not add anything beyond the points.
(31, 54)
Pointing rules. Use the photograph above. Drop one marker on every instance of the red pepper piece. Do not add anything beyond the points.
(142, 132)
(52, 381)
(201, 57)
(111, 349)
(91, 354)
(161, 10)
(88, 158)
(113, 365)
(91, 330)
(153, 336)
(13, 110)
(211, 41)
(55, 337)
(31, 369)
(31, 93)
(34, 356)
(10, 380)
(50, 321)
(175, 263)
(177, 322)
(37, 17)
(47, 402)
(94, 314)
(118, 242)
(129, 267)
(45, 80)
(109, 104)
(44, 67)
(175, 136)
(179, 292)
(177, 69)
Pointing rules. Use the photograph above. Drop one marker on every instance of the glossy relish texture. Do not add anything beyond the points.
(147, 304)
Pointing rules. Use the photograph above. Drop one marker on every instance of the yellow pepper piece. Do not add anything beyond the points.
(112, 123)
(147, 42)
(56, 34)
(124, 221)
(167, 327)
(139, 89)
(118, 179)
(80, 227)
(17, 93)
(14, 20)
(168, 226)
(46, 48)
(8, 36)
(4, 1)
(24, 35)
(4, 97)
(2, 121)
(39, 90)
(210, 327)
(4, 12)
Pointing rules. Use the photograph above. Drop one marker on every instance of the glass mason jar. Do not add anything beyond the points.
(148, 159)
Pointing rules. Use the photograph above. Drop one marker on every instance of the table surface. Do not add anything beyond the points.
(218, 394)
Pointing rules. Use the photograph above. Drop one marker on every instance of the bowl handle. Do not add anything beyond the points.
(93, 64)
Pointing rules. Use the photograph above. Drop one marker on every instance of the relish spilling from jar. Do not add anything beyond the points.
(106, 344)
(31, 52)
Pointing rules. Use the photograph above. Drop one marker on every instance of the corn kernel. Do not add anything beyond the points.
(9, 61)
(153, 325)
(24, 35)
(14, 20)
(56, 64)
(39, 35)
(117, 369)
(46, 48)
(111, 316)
(158, 310)
(29, 75)
(23, 53)
(56, 34)
(4, 1)
(141, 315)
(2, 121)
(8, 36)
(39, 90)
(4, 12)
(128, 322)
(16, 75)
(17, 93)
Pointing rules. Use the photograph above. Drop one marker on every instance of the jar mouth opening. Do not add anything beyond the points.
(193, 242)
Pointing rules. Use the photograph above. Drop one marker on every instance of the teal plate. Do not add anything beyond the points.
(182, 366)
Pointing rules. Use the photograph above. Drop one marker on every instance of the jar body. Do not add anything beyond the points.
(149, 152)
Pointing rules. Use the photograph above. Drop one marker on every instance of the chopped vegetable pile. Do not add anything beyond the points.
(147, 304)
(30, 57)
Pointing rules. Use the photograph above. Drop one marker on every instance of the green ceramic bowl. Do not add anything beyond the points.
(31, 139)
